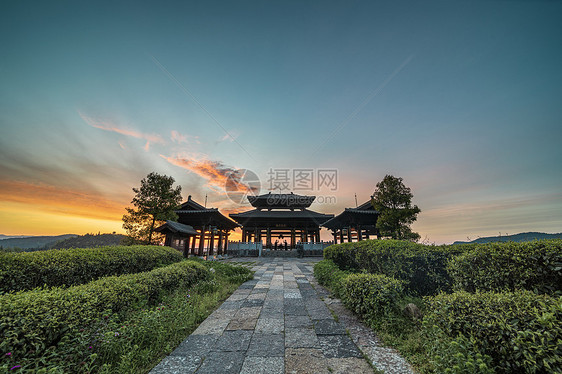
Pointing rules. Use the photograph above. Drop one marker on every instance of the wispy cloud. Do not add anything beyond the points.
(109, 125)
(231, 137)
(219, 176)
(180, 138)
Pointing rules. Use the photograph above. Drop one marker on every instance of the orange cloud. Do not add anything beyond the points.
(108, 125)
(220, 177)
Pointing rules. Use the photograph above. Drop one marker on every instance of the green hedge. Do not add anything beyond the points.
(535, 266)
(372, 295)
(423, 268)
(521, 331)
(329, 274)
(69, 267)
(31, 322)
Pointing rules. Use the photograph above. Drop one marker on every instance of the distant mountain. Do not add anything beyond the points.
(89, 241)
(522, 237)
(33, 242)
(3, 237)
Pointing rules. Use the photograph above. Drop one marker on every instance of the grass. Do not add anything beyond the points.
(136, 343)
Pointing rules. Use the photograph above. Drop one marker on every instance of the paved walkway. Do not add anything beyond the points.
(275, 323)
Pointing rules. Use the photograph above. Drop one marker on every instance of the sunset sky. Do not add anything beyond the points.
(462, 99)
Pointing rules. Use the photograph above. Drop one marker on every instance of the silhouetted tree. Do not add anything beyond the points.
(393, 200)
(155, 201)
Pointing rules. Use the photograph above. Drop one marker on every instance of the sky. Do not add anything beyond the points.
(462, 99)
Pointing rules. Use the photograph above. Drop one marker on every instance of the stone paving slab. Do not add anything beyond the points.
(267, 345)
(276, 323)
(222, 362)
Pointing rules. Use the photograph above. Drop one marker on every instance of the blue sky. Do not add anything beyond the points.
(460, 98)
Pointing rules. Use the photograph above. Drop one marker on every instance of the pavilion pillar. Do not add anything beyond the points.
(359, 233)
(349, 234)
(341, 235)
(186, 247)
(256, 235)
(292, 238)
(219, 248)
(317, 236)
(225, 243)
(268, 238)
(367, 234)
(211, 242)
(193, 240)
(201, 241)
(243, 235)
(335, 237)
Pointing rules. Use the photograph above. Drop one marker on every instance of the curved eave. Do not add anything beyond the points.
(350, 216)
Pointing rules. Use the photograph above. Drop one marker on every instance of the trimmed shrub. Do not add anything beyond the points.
(454, 355)
(372, 295)
(423, 268)
(521, 331)
(54, 268)
(535, 266)
(33, 322)
(329, 274)
(343, 255)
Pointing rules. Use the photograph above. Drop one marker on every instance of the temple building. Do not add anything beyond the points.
(354, 224)
(281, 218)
(199, 230)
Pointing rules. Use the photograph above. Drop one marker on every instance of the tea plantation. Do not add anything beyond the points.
(110, 309)
(485, 308)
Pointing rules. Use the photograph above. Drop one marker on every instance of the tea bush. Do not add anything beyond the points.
(69, 267)
(33, 322)
(328, 274)
(458, 355)
(372, 295)
(521, 331)
(423, 268)
(535, 266)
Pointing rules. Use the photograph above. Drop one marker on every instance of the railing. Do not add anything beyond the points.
(256, 249)
(243, 249)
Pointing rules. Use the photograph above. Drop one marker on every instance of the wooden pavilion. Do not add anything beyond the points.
(283, 218)
(354, 224)
(199, 230)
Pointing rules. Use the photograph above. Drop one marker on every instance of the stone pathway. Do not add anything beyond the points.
(275, 323)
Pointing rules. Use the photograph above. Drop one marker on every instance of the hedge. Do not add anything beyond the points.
(535, 266)
(423, 268)
(329, 274)
(69, 267)
(373, 296)
(521, 331)
(33, 321)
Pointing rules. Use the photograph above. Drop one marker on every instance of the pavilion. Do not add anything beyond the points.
(281, 218)
(354, 223)
(198, 230)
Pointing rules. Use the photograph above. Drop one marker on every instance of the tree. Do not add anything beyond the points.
(393, 200)
(155, 201)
